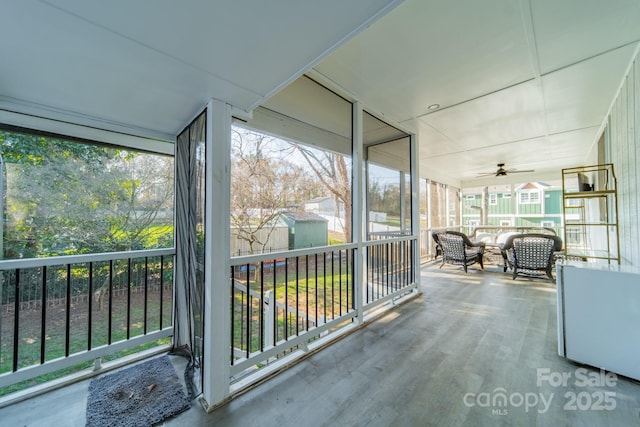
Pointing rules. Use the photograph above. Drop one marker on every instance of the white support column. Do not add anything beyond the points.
(514, 205)
(460, 206)
(403, 207)
(217, 291)
(447, 208)
(429, 244)
(415, 211)
(429, 207)
(358, 211)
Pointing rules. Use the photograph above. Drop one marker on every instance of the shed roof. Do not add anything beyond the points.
(304, 217)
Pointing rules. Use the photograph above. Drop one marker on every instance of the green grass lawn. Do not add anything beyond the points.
(30, 337)
(329, 296)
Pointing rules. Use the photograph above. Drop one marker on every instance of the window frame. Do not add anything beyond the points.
(528, 200)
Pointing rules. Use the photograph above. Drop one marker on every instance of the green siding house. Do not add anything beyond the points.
(531, 204)
(553, 202)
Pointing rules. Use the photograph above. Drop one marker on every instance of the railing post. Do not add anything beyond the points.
(269, 318)
(358, 212)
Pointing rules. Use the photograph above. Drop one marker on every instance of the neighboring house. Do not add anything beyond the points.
(326, 208)
(321, 205)
(306, 229)
(526, 205)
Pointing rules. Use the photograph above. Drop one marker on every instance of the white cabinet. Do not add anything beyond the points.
(599, 316)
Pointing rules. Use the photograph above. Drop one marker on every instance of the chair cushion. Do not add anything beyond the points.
(533, 253)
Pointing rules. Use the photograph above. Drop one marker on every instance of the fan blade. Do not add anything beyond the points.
(486, 174)
(520, 171)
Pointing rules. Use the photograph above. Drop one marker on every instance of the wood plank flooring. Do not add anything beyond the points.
(444, 359)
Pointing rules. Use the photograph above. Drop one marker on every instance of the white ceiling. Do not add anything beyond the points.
(148, 66)
(525, 82)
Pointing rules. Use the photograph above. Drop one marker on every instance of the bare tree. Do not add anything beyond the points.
(333, 172)
(264, 183)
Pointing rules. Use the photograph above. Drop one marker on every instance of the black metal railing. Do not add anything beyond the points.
(389, 268)
(276, 299)
(59, 311)
(281, 302)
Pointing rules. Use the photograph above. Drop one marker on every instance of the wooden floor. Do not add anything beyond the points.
(476, 349)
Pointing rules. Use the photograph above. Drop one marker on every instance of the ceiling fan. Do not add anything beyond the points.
(501, 171)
